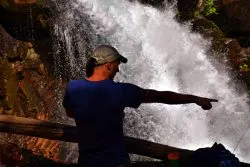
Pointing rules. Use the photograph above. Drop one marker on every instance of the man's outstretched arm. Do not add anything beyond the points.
(167, 97)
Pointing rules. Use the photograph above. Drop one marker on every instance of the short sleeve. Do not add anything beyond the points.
(131, 95)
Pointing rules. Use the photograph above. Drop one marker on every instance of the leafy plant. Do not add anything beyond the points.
(197, 14)
(244, 68)
(209, 8)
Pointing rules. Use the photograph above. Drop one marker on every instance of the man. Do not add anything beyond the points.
(97, 103)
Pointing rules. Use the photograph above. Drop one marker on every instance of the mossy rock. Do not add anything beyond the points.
(10, 87)
(18, 52)
(224, 46)
(29, 96)
(245, 73)
(210, 30)
(32, 60)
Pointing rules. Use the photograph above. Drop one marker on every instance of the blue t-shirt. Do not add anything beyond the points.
(98, 111)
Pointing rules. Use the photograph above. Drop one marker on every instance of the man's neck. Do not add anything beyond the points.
(97, 78)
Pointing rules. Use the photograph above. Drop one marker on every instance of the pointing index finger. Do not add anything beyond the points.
(213, 100)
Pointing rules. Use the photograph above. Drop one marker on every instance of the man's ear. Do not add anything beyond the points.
(108, 66)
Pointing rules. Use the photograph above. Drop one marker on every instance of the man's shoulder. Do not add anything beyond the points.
(74, 84)
(86, 83)
(79, 81)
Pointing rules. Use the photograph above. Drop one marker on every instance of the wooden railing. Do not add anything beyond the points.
(67, 133)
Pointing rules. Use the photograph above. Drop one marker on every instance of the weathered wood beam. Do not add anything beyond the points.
(56, 131)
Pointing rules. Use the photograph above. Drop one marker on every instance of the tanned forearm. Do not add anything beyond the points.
(168, 97)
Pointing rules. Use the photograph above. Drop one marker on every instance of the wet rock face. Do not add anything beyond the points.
(238, 15)
(238, 57)
(234, 19)
(19, 63)
(10, 155)
(27, 89)
(24, 1)
(187, 8)
(29, 20)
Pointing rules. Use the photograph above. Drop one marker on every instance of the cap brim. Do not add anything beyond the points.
(123, 59)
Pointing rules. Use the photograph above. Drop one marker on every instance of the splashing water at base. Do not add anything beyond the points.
(165, 55)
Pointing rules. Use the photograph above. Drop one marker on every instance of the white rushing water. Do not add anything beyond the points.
(165, 55)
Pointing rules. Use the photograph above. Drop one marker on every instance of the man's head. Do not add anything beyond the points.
(104, 60)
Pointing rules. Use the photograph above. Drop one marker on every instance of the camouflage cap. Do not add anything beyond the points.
(106, 53)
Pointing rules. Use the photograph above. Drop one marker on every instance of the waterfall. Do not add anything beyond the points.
(164, 55)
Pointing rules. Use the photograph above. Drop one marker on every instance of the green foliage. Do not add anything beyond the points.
(197, 14)
(40, 3)
(209, 8)
(244, 68)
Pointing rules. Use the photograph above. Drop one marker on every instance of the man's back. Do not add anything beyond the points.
(98, 111)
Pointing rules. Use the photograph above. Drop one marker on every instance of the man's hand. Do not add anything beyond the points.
(205, 103)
